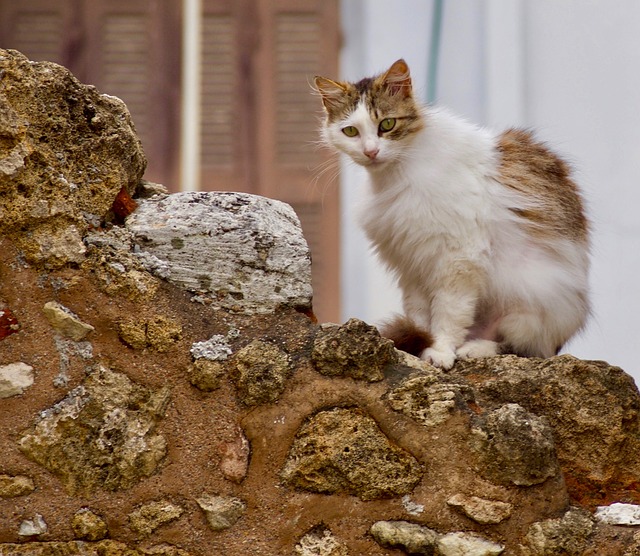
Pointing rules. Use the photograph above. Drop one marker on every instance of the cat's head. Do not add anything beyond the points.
(371, 120)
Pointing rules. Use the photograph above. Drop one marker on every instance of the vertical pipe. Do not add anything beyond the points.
(434, 51)
(191, 91)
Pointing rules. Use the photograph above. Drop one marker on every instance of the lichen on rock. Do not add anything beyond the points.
(101, 435)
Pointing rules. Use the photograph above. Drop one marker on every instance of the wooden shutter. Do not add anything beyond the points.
(227, 114)
(301, 41)
(134, 54)
(260, 118)
(38, 29)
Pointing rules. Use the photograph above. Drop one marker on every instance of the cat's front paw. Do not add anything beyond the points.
(477, 348)
(443, 358)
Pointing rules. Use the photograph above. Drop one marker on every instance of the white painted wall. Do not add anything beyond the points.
(568, 68)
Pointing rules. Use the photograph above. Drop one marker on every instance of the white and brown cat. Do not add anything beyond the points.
(486, 233)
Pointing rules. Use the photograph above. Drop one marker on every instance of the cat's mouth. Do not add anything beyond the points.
(372, 162)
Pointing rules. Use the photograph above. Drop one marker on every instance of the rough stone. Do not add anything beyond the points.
(592, 408)
(246, 252)
(467, 544)
(205, 375)
(101, 435)
(234, 457)
(158, 332)
(8, 323)
(15, 378)
(344, 450)
(481, 510)
(66, 322)
(320, 541)
(148, 517)
(619, 514)
(105, 547)
(118, 272)
(215, 348)
(54, 247)
(517, 446)
(354, 349)
(410, 537)
(222, 512)
(88, 526)
(12, 486)
(66, 152)
(33, 527)
(260, 371)
(566, 535)
(430, 397)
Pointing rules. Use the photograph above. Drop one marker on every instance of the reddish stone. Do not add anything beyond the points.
(123, 205)
(8, 323)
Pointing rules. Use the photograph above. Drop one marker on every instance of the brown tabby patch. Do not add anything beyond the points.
(529, 167)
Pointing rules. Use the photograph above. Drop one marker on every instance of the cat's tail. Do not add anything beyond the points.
(406, 335)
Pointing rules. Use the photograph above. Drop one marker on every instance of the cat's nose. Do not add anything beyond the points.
(372, 152)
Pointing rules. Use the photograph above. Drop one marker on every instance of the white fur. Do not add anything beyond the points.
(441, 222)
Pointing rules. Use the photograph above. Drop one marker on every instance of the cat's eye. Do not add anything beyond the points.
(350, 131)
(387, 124)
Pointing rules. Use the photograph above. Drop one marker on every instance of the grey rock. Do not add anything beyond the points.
(246, 252)
(409, 537)
(15, 378)
(344, 450)
(619, 514)
(215, 348)
(33, 527)
(222, 511)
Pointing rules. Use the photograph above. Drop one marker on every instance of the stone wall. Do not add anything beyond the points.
(164, 388)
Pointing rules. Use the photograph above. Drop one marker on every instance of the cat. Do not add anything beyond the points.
(485, 232)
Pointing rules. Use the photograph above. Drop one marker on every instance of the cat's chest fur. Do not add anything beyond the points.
(439, 201)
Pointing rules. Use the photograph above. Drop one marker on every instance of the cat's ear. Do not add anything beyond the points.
(398, 79)
(332, 93)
